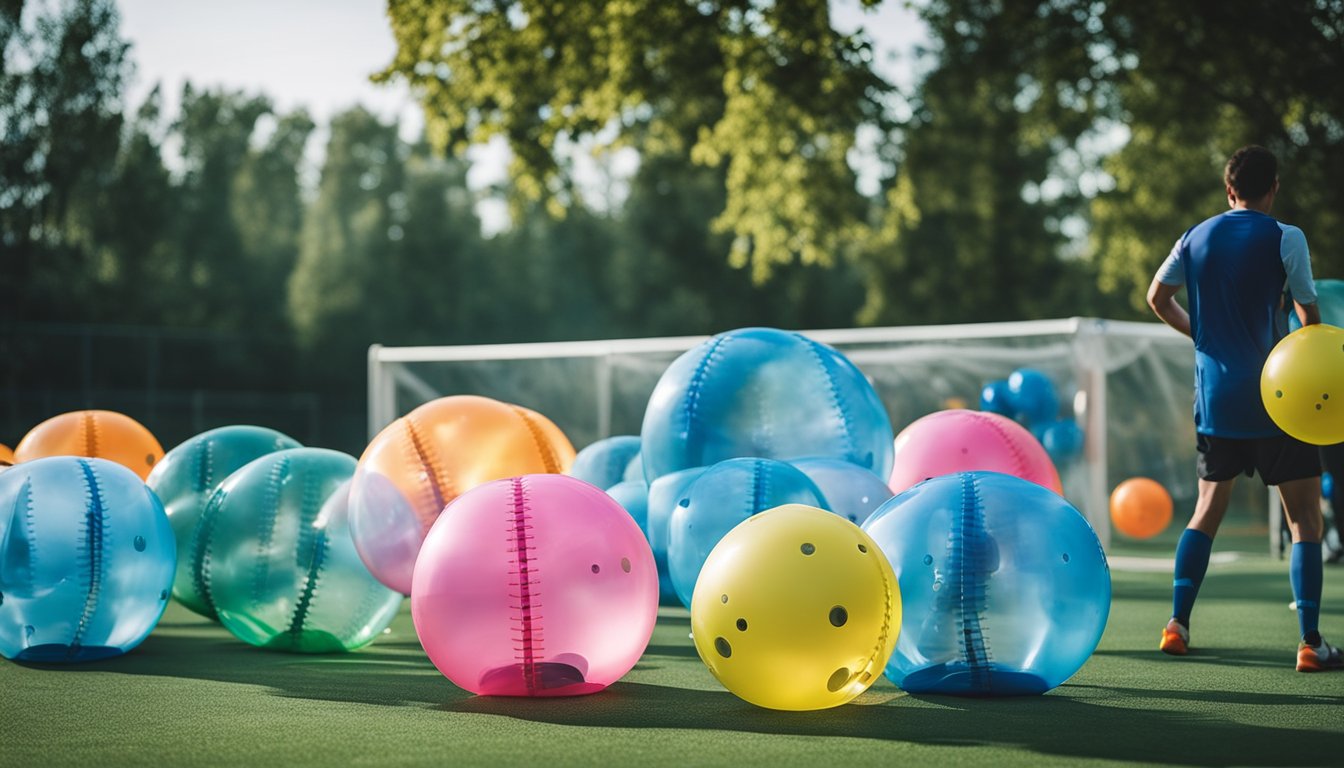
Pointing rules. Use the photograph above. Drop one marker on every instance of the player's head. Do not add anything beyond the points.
(1251, 173)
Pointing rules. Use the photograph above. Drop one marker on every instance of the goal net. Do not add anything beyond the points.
(1128, 385)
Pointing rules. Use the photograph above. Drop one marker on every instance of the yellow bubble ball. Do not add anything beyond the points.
(1302, 384)
(796, 608)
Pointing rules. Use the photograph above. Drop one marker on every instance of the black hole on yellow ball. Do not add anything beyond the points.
(721, 645)
(1318, 406)
(596, 568)
(863, 549)
(808, 549)
(1278, 393)
(1325, 396)
(839, 616)
(741, 625)
(625, 564)
(838, 679)
(724, 599)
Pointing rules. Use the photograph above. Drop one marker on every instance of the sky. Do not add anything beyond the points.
(319, 54)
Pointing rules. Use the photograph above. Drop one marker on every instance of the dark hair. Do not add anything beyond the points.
(1251, 172)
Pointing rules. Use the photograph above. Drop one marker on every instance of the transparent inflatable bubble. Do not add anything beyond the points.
(604, 462)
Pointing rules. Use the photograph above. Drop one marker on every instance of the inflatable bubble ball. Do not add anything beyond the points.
(1302, 384)
(1032, 396)
(86, 560)
(765, 393)
(665, 494)
(190, 474)
(796, 609)
(604, 462)
(1062, 440)
(1140, 508)
(944, 442)
(429, 457)
(273, 554)
(850, 490)
(721, 498)
(995, 398)
(633, 496)
(1005, 587)
(93, 434)
(539, 585)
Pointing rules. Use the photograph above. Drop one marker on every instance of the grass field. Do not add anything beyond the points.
(193, 695)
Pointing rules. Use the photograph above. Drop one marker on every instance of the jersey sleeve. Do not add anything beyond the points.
(1297, 263)
(1172, 271)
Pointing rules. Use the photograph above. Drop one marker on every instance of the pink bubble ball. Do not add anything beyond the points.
(960, 440)
(539, 585)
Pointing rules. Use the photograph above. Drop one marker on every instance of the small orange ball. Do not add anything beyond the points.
(1140, 508)
(94, 434)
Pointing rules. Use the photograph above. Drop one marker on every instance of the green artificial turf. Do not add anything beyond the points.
(193, 695)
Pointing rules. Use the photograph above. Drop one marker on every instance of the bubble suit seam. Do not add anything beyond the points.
(543, 446)
(201, 550)
(270, 510)
(973, 594)
(837, 398)
(25, 497)
(90, 434)
(695, 387)
(424, 455)
(94, 535)
(310, 508)
(529, 638)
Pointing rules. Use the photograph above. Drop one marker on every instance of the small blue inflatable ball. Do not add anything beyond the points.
(996, 398)
(274, 554)
(718, 500)
(767, 393)
(665, 494)
(633, 496)
(604, 462)
(1004, 587)
(851, 491)
(188, 475)
(86, 560)
(635, 469)
(1063, 440)
(1327, 486)
(1032, 396)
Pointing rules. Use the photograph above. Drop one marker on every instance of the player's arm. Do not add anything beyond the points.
(1162, 292)
(1297, 265)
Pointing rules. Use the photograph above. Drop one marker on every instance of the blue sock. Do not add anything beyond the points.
(1192, 560)
(1304, 571)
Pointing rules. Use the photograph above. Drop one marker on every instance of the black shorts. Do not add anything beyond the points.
(1276, 459)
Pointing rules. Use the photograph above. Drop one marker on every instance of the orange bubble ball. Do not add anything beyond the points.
(429, 457)
(6, 454)
(93, 434)
(1140, 508)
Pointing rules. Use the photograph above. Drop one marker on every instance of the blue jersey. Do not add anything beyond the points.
(1235, 268)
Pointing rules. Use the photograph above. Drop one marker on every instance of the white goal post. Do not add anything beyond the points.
(1127, 384)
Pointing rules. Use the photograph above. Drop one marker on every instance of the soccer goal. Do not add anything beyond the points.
(1128, 385)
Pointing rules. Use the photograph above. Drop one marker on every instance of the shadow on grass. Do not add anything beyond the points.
(1053, 724)
(1225, 657)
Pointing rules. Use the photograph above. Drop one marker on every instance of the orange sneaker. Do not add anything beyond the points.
(1319, 658)
(1175, 639)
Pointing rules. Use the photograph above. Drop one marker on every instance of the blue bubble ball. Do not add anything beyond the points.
(995, 398)
(188, 475)
(1004, 586)
(633, 496)
(86, 560)
(604, 462)
(1063, 440)
(718, 500)
(767, 393)
(1032, 396)
(1327, 486)
(665, 494)
(851, 491)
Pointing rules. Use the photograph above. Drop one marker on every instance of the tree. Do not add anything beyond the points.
(765, 89)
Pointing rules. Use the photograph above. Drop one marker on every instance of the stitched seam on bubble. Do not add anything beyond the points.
(528, 640)
(270, 511)
(837, 398)
(95, 535)
(201, 541)
(24, 501)
(544, 448)
(311, 539)
(90, 434)
(972, 592)
(885, 631)
(1019, 458)
(440, 483)
(690, 407)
